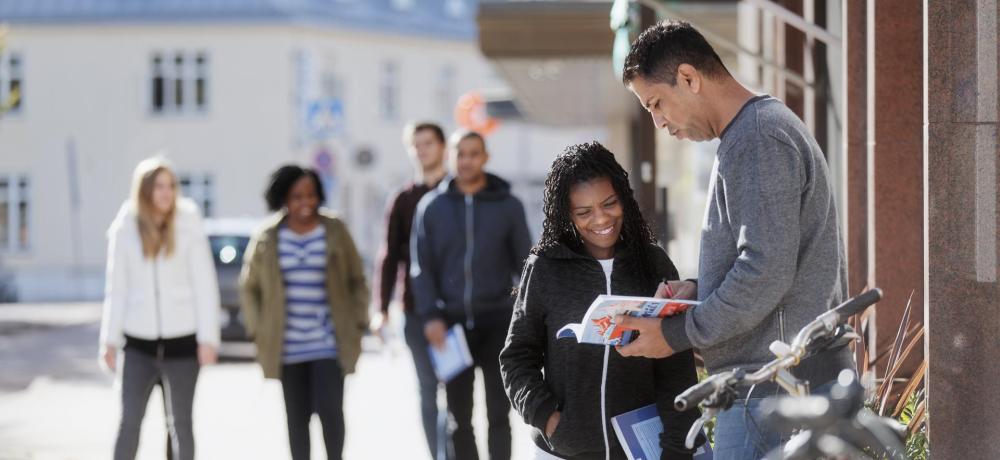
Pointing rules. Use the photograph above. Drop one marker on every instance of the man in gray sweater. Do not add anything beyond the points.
(772, 256)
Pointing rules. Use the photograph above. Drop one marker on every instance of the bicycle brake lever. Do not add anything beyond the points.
(692, 435)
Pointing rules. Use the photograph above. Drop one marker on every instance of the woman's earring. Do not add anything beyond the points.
(575, 233)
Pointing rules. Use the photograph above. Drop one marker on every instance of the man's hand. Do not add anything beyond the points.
(552, 423)
(378, 325)
(681, 290)
(435, 331)
(650, 343)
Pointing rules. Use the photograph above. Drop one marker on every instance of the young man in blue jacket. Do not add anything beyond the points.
(469, 242)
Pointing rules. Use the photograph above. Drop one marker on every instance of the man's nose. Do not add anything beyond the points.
(658, 121)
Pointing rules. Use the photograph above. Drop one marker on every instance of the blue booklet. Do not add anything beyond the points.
(452, 358)
(639, 433)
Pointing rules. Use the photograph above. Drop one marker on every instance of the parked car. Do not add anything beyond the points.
(228, 239)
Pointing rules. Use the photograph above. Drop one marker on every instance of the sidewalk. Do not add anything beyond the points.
(56, 404)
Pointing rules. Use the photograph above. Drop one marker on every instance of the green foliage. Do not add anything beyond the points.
(916, 441)
(15, 95)
(709, 425)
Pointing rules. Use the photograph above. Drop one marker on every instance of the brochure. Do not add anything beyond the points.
(598, 326)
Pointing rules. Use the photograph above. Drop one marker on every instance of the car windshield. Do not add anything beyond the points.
(228, 249)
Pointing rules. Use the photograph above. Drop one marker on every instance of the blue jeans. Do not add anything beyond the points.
(433, 421)
(740, 433)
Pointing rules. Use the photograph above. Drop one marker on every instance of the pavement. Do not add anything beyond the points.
(57, 403)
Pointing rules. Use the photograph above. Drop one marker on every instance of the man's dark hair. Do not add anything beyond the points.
(459, 136)
(281, 182)
(663, 47)
(583, 163)
(412, 129)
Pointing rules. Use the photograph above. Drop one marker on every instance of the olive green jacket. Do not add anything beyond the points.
(262, 294)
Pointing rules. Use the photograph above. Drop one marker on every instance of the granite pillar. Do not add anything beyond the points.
(961, 201)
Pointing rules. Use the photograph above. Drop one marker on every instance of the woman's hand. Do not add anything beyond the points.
(207, 354)
(550, 426)
(681, 290)
(110, 356)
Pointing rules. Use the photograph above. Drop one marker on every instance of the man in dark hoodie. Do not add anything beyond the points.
(469, 241)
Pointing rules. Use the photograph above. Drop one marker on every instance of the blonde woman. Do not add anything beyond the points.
(161, 306)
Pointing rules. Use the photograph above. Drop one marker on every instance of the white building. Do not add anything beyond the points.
(230, 90)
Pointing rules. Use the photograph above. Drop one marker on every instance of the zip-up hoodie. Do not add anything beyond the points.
(467, 250)
(585, 382)
(163, 297)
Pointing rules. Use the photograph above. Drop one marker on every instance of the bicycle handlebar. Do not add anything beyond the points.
(695, 395)
(858, 304)
(823, 324)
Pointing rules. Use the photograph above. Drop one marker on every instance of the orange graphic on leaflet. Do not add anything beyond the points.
(603, 324)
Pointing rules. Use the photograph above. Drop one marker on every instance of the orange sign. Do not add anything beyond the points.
(470, 113)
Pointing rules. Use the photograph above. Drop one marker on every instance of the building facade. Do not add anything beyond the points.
(227, 93)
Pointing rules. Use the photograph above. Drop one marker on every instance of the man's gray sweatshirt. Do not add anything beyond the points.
(772, 256)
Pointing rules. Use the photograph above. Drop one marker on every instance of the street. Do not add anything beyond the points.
(56, 403)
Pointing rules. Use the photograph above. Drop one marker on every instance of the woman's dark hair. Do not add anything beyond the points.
(281, 182)
(583, 163)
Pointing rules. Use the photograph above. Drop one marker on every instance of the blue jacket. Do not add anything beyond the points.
(467, 252)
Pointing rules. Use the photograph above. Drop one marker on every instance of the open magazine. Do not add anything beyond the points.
(598, 325)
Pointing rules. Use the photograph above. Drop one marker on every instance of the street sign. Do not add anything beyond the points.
(325, 118)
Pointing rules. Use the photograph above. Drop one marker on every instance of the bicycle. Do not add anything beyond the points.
(827, 426)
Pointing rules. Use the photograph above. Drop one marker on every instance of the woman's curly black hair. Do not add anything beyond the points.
(281, 183)
(582, 163)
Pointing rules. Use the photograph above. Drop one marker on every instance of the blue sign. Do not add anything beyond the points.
(325, 118)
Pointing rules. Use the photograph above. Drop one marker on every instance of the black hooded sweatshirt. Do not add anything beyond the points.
(543, 374)
(467, 251)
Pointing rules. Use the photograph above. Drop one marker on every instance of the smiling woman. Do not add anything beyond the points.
(597, 216)
(594, 241)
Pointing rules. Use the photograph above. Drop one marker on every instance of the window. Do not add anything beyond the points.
(201, 189)
(200, 80)
(15, 213)
(179, 83)
(444, 92)
(12, 82)
(389, 91)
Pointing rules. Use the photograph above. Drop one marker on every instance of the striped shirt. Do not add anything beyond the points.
(308, 326)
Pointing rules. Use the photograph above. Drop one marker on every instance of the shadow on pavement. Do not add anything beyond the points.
(55, 352)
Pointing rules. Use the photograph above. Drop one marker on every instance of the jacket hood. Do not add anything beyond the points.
(496, 188)
(185, 210)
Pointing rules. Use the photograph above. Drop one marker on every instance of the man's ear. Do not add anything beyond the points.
(689, 77)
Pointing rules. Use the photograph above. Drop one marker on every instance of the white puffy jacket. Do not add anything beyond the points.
(164, 297)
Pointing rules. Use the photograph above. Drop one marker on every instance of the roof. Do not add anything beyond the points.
(451, 19)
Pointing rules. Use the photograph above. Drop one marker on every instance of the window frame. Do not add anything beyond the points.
(19, 231)
(179, 74)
